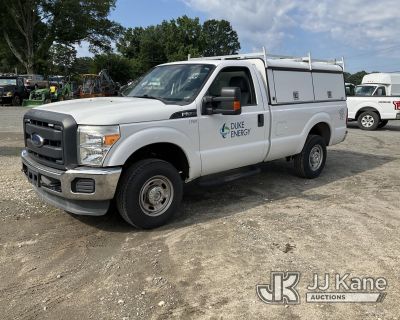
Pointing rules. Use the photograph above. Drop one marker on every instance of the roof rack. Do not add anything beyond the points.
(264, 56)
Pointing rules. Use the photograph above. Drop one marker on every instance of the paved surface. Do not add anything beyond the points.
(11, 119)
(206, 263)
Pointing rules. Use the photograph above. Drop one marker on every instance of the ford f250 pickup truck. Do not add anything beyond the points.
(183, 121)
(375, 101)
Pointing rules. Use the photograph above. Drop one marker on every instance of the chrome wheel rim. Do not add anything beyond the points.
(156, 196)
(316, 157)
(367, 121)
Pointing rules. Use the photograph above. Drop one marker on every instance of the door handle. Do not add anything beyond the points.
(261, 120)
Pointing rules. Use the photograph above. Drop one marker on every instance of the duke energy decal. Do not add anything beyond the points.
(234, 129)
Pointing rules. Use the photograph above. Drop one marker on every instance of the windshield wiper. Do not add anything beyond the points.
(146, 96)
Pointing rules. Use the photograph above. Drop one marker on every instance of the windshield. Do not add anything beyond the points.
(5, 82)
(365, 90)
(126, 89)
(178, 83)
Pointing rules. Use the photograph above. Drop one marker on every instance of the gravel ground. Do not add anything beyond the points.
(206, 263)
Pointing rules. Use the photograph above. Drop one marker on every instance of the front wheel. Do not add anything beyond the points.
(149, 193)
(16, 101)
(310, 162)
(368, 120)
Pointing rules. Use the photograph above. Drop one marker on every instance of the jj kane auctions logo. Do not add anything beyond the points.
(334, 288)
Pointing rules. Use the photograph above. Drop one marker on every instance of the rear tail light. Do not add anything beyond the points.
(396, 105)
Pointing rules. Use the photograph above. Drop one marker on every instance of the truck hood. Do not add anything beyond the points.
(113, 110)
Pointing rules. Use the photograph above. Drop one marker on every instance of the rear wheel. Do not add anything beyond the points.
(16, 101)
(310, 162)
(368, 120)
(149, 193)
(383, 123)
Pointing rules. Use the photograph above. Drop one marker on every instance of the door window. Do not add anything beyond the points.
(235, 77)
(381, 91)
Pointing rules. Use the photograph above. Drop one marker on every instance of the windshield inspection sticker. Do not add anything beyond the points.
(334, 288)
(234, 129)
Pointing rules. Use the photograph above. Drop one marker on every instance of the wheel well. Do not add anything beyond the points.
(322, 129)
(165, 151)
(367, 109)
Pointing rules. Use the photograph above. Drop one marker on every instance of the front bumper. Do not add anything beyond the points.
(57, 186)
(5, 100)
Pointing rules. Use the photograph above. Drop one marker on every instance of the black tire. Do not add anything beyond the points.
(382, 123)
(136, 186)
(303, 163)
(16, 101)
(368, 120)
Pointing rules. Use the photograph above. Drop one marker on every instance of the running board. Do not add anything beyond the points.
(218, 179)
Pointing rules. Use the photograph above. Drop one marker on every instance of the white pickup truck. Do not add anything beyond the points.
(376, 101)
(183, 121)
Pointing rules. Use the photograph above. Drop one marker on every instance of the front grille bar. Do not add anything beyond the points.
(58, 134)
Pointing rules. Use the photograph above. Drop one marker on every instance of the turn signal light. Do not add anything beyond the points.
(111, 139)
(236, 105)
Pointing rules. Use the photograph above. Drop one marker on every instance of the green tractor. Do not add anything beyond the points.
(56, 92)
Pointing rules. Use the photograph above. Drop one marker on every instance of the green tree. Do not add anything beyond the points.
(61, 59)
(152, 51)
(181, 37)
(219, 38)
(356, 78)
(347, 76)
(173, 40)
(118, 67)
(30, 27)
(8, 62)
(129, 44)
(82, 65)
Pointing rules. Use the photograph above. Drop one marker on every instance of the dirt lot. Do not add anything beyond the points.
(226, 239)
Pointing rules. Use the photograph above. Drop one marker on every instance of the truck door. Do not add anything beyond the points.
(233, 141)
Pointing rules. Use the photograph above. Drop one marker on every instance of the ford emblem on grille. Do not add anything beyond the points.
(37, 140)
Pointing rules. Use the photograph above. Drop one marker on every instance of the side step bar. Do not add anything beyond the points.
(218, 179)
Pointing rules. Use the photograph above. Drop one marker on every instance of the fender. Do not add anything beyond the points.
(355, 104)
(129, 144)
(317, 118)
(367, 107)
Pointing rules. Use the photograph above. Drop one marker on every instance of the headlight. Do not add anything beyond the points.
(95, 142)
(9, 94)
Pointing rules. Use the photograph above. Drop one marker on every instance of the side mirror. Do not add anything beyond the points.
(228, 103)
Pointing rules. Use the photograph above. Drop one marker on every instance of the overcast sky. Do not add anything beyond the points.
(365, 32)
